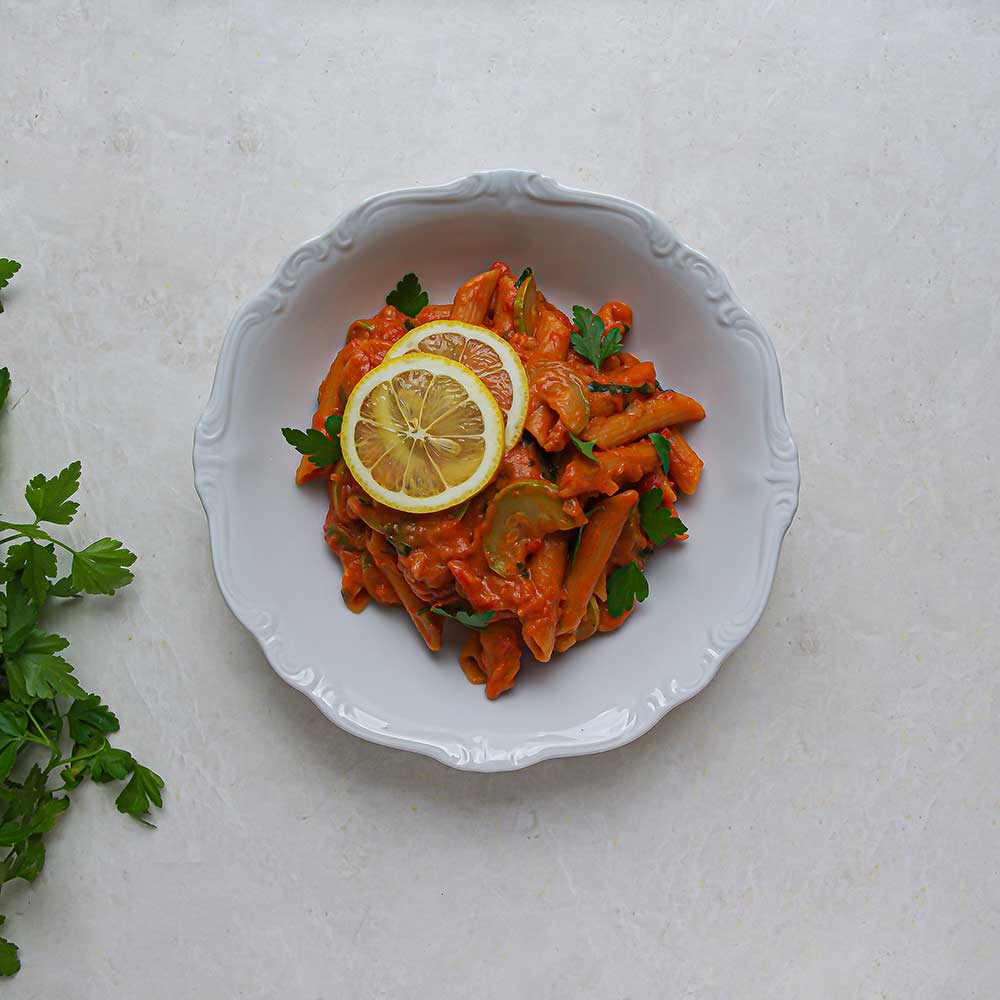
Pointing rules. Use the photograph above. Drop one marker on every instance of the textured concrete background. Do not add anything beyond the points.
(823, 820)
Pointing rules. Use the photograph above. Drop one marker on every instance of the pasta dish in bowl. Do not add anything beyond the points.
(528, 522)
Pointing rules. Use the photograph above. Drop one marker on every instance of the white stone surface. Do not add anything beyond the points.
(823, 820)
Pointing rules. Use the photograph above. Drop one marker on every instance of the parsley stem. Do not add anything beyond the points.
(44, 735)
(81, 756)
(10, 538)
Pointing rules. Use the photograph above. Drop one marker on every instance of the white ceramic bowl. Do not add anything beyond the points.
(371, 673)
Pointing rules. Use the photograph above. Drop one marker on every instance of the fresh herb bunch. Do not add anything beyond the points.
(53, 734)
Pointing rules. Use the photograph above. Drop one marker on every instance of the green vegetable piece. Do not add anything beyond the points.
(408, 297)
(662, 446)
(479, 620)
(657, 521)
(591, 342)
(526, 305)
(387, 523)
(520, 512)
(626, 586)
(4, 385)
(562, 390)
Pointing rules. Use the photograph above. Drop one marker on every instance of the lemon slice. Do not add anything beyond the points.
(486, 354)
(422, 433)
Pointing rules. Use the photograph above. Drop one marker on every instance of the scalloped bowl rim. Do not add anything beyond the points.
(475, 753)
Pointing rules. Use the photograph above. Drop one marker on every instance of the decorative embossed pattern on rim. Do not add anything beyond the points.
(619, 724)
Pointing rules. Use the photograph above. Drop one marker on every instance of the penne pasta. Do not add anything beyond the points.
(685, 465)
(429, 625)
(500, 659)
(643, 417)
(503, 306)
(608, 470)
(473, 298)
(431, 313)
(604, 525)
(470, 658)
(616, 314)
(547, 569)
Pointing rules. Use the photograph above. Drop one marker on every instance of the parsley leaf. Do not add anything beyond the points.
(26, 860)
(408, 297)
(8, 268)
(591, 342)
(33, 675)
(321, 449)
(584, 447)
(63, 587)
(21, 615)
(100, 568)
(626, 586)
(478, 620)
(142, 790)
(9, 962)
(662, 446)
(4, 385)
(111, 764)
(657, 521)
(89, 719)
(13, 728)
(49, 498)
(36, 563)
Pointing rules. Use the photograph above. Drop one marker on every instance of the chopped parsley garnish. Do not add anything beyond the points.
(408, 297)
(584, 447)
(662, 446)
(657, 521)
(591, 342)
(621, 390)
(478, 619)
(626, 586)
(321, 449)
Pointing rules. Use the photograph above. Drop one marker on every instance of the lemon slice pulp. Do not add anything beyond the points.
(486, 354)
(421, 433)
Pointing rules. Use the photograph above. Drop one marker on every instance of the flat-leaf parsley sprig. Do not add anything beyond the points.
(591, 342)
(53, 733)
